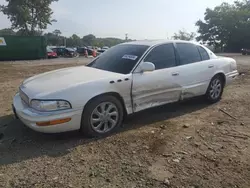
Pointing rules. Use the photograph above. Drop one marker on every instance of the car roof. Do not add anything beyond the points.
(156, 42)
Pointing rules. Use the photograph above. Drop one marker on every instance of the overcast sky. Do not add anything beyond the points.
(141, 19)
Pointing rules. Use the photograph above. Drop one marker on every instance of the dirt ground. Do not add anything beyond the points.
(189, 144)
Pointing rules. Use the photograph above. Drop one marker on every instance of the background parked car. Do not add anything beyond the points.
(105, 47)
(65, 52)
(51, 53)
(245, 51)
(80, 51)
(99, 52)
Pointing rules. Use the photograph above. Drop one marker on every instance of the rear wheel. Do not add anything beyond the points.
(215, 89)
(102, 116)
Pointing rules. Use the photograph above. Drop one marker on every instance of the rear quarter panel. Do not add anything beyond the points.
(223, 65)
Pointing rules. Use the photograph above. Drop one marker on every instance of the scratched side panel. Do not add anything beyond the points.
(154, 89)
(194, 78)
(124, 89)
(151, 99)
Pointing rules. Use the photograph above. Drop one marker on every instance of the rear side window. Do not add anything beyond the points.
(188, 53)
(162, 56)
(204, 54)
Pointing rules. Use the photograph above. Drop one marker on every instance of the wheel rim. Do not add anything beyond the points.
(104, 117)
(215, 89)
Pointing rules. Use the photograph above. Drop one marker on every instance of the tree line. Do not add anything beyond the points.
(31, 18)
(56, 39)
(226, 27)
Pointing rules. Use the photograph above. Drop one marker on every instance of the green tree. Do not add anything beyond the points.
(226, 26)
(7, 31)
(54, 40)
(29, 16)
(88, 40)
(57, 32)
(74, 41)
(100, 42)
(184, 35)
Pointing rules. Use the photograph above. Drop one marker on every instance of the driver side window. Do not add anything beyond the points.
(162, 56)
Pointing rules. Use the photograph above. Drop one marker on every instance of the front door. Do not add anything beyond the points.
(158, 87)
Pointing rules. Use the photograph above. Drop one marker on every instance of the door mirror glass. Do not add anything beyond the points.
(147, 67)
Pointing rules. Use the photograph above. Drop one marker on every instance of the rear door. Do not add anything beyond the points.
(158, 87)
(195, 69)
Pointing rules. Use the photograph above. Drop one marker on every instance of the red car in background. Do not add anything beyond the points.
(51, 53)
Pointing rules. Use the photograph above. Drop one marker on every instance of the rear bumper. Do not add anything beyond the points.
(230, 77)
(30, 117)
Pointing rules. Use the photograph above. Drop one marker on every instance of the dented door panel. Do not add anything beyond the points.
(155, 88)
(194, 78)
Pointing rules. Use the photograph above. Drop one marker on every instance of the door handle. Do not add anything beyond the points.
(210, 66)
(175, 74)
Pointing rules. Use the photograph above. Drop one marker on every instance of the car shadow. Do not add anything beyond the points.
(19, 143)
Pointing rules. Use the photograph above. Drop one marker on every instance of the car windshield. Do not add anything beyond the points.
(70, 49)
(119, 59)
(49, 50)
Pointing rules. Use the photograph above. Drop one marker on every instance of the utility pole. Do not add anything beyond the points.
(65, 41)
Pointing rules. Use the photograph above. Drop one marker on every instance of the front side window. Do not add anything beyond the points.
(119, 59)
(162, 56)
(204, 54)
(188, 53)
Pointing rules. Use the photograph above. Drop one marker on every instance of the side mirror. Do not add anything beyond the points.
(147, 67)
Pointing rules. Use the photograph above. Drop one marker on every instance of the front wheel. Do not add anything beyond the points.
(215, 89)
(102, 116)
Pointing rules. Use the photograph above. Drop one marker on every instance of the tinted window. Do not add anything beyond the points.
(204, 54)
(188, 53)
(119, 59)
(59, 49)
(80, 50)
(162, 56)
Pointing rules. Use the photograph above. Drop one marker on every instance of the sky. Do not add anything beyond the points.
(140, 19)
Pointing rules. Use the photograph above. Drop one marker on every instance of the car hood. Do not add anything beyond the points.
(58, 80)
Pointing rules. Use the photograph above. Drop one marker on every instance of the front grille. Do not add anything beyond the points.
(24, 97)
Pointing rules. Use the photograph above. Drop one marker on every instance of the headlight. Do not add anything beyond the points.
(47, 106)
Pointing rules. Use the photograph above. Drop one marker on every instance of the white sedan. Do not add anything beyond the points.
(128, 78)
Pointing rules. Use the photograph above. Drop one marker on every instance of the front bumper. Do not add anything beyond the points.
(230, 77)
(30, 117)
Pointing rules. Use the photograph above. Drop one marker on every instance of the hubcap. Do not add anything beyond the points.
(215, 89)
(104, 117)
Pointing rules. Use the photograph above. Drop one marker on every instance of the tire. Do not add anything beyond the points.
(215, 89)
(93, 118)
